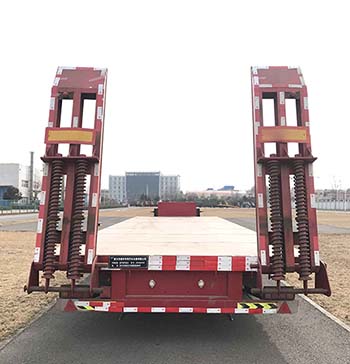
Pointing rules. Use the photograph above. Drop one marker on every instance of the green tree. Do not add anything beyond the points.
(12, 193)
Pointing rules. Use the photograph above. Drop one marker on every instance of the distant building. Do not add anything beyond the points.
(169, 187)
(17, 175)
(117, 188)
(136, 186)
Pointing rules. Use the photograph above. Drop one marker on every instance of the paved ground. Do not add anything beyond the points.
(305, 337)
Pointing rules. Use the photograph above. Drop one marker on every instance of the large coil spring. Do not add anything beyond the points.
(51, 235)
(74, 271)
(277, 259)
(302, 220)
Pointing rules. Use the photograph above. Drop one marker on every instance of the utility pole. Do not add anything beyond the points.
(31, 172)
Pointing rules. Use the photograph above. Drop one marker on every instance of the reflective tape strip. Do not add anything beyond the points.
(213, 310)
(306, 103)
(292, 85)
(99, 113)
(39, 228)
(259, 170)
(96, 169)
(242, 308)
(52, 103)
(224, 264)
(183, 262)
(260, 201)
(256, 103)
(155, 262)
(90, 256)
(283, 121)
(317, 257)
(282, 101)
(56, 81)
(94, 200)
(249, 261)
(312, 200)
(263, 257)
(36, 255)
(100, 89)
(75, 121)
(265, 85)
(42, 197)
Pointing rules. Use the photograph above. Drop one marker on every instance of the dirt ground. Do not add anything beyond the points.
(17, 308)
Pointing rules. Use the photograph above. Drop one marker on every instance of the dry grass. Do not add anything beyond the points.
(334, 218)
(16, 252)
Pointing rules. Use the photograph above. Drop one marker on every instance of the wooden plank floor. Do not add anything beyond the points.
(208, 236)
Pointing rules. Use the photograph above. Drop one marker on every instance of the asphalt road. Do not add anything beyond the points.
(85, 337)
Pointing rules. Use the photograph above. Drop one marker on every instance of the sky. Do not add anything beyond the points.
(178, 93)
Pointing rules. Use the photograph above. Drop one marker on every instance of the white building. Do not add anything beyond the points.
(169, 187)
(117, 188)
(17, 175)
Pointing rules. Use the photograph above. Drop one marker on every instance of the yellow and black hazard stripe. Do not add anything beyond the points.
(257, 305)
(86, 308)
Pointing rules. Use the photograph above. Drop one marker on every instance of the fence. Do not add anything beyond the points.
(13, 207)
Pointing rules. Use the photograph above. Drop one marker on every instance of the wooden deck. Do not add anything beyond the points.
(201, 236)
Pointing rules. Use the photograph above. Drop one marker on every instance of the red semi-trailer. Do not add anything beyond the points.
(177, 261)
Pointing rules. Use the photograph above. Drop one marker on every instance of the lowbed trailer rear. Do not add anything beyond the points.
(177, 261)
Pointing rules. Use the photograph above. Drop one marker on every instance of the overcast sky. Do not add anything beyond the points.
(178, 96)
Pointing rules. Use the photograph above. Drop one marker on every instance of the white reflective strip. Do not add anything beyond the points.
(282, 101)
(307, 124)
(82, 303)
(283, 121)
(45, 169)
(269, 310)
(263, 67)
(256, 103)
(312, 200)
(317, 257)
(185, 309)
(256, 80)
(100, 89)
(306, 103)
(292, 67)
(94, 200)
(56, 81)
(75, 121)
(302, 80)
(90, 256)
(155, 262)
(250, 260)
(257, 126)
(39, 228)
(255, 70)
(311, 170)
(292, 85)
(36, 255)
(183, 262)
(104, 308)
(260, 201)
(265, 85)
(96, 169)
(213, 310)
(263, 257)
(60, 69)
(50, 124)
(130, 309)
(299, 71)
(99, 113)
(259, 169)
(241, 310)
(157, 309)
(52, 103)
(42, 197)
(224, 264)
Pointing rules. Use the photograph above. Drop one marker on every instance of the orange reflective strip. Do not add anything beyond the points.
(70, 136)
(283, 134)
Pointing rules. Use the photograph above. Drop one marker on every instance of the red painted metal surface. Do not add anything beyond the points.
(274, 214)
(64, 180)
(177, 209)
